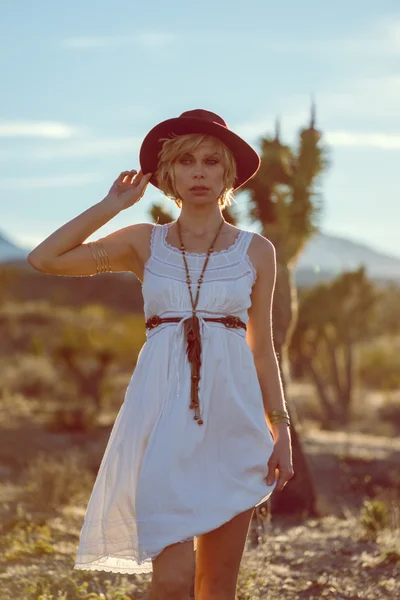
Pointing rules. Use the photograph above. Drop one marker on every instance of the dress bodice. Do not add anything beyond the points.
(227, 283)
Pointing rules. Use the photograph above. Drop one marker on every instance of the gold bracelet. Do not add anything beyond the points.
(100, 256)
(104, 257)
(97, 257)
(278, 413)
(90, 246)
(279, 416)
(279, 420)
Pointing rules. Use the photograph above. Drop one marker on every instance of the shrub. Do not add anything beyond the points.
(29, 375)
(379, 368)
(390, 412)
(28, 539)
(56, 481)
(45, 588)
(73, 416)
(373, 517)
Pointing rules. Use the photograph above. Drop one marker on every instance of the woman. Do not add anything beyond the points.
(164, 481)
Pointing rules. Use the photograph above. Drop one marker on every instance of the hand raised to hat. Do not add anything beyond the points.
(128, 188)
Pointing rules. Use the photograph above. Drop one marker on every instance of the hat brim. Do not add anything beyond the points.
(247, 160)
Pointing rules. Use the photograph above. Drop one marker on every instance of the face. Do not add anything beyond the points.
(201, 167)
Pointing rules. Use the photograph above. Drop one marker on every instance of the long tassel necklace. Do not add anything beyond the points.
(192, 327)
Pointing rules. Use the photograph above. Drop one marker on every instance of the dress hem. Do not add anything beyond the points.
(144, 565)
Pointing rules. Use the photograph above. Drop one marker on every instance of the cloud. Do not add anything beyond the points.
(366, 109)
(39, 129)
(381, 141)
(128, 146)
(89, 148)
(148, 40)
(364, 98)
(253, 131)
(381, 39)
(52, 181)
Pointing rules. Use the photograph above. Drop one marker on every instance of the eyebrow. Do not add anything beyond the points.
(216, 153)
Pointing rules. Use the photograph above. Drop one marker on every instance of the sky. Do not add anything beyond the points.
(84, 81)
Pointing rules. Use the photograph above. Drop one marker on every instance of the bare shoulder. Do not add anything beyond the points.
(258, 334)
(138, 236)
(262, 254)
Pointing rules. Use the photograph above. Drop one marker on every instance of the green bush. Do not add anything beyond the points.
(379, 367)
(373, 517)
(27, 540)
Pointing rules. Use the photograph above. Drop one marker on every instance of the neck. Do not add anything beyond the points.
(200, 223)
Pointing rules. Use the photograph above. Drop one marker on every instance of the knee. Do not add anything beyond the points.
(173, 586)
(218, 586)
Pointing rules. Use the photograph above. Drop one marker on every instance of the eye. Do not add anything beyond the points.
(213, 161)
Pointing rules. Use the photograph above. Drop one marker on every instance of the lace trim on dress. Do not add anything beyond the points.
(250, 263)
(200, 254)
(145, 567)
(143, 563)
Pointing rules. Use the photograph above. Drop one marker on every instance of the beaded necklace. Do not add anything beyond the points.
(191, 325)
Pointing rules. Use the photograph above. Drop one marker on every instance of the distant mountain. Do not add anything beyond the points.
(326, 255)
(10, 251)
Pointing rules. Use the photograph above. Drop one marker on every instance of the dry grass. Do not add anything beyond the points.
(356, 555)
(51, 446)
(321, 558)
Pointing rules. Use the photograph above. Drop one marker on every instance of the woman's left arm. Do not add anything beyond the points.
(260, 340)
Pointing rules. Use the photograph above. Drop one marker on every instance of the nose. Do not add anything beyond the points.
(198, 171)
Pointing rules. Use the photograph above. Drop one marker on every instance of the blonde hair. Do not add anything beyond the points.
(175, 147)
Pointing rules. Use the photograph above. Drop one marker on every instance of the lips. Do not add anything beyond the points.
(199, 187)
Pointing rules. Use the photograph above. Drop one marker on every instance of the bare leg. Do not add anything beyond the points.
(219, 553)
(173, 572)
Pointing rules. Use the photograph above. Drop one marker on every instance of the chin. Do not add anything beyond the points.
(201, 199)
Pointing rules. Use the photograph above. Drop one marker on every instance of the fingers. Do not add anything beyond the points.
(146, 178)
(134, 177)
(126, 174)
(284, 477)
(141, 180)
(285, 474)
(272, 465)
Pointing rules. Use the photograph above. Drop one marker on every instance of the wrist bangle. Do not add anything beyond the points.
(277, 421)
(278, 416)
(278, 413)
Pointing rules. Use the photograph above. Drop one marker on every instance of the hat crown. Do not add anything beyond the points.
(198, 121)
(206, 115)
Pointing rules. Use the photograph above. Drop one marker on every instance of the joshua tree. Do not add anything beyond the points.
(285, 203)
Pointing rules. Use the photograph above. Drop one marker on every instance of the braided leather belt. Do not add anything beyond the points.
(228, 321)
(193, 337)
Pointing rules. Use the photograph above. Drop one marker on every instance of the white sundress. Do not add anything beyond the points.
(163, 477)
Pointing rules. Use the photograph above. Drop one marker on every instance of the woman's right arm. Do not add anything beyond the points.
(64, 251)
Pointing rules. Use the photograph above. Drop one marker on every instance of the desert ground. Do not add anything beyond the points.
(351, 551)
